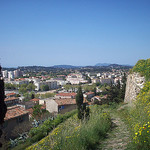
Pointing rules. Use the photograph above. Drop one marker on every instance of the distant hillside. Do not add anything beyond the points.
(102, 64)
(66, 66)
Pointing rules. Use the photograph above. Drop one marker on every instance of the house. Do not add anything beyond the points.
(61, 105)
(35, 100)
(11, 101)
(65, 95)
(88, 95)
(27, 105)
(95, 80)
(15, 116)
(11, 95)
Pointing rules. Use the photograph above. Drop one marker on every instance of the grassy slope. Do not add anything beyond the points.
(77, 135)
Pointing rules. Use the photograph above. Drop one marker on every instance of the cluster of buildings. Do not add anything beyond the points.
(76, 78)
(20, 112)
(107, 77)
(12, 74)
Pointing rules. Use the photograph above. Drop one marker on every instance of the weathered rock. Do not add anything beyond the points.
(134, 84)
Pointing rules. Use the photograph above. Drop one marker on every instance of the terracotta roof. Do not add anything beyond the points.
(15, 111)
(11, 98)
(66, 94)
(30, 110)
(89, 93)
(67, 101)
(9, 94)
(35, 100)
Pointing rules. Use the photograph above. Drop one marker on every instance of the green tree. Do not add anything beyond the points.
(39, 113)
(94, 90)
(83, 112)
(22, 90)
(44, 87)
(30, 87)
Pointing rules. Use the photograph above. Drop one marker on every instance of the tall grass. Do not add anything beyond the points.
(77, 135)
(138, 119)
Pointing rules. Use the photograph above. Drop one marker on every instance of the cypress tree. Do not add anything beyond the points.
(83, 111)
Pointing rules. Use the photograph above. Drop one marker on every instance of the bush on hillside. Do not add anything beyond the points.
(143, 67)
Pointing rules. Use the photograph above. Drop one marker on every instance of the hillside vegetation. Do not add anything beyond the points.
(142, 67)
(76, 134)
(138, 116)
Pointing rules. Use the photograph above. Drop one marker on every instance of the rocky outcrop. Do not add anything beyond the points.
(134, 84)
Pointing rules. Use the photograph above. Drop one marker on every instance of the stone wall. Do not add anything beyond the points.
(133, 86)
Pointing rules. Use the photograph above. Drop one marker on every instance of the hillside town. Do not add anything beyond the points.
(25, 95)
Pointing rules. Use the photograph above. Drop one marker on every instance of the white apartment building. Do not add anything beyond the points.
(76, 79)
(10, 74)
(51, 84)
(17, 73)
(5, 74)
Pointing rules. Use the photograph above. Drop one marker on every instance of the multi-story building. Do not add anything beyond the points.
(51, 84)
(17, 73)
(76, 78)
(5, 74)
(11, 101)
(10, 74)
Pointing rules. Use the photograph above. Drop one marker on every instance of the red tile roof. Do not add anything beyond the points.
(10, 94)
(66, 94)
(11, 98)
(67, 101)
(35, 100)
(30, 110)
(15, 111)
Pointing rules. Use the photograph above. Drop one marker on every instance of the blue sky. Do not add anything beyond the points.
(73, 32)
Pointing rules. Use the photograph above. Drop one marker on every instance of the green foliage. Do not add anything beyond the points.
(143, 67)
(37, 133)
(88, 88)
(31, 87)
(138, 119)
(22, 90)
(46, 95)
(83, 111)
(10, 86)
(77, 135)
(116, 92)
(48, 125)
(28, 96)
(44, 87)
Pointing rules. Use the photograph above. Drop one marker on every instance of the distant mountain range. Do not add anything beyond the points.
(107, 64)
(55, 67)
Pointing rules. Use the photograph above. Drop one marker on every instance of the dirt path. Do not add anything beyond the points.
(118, 137)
